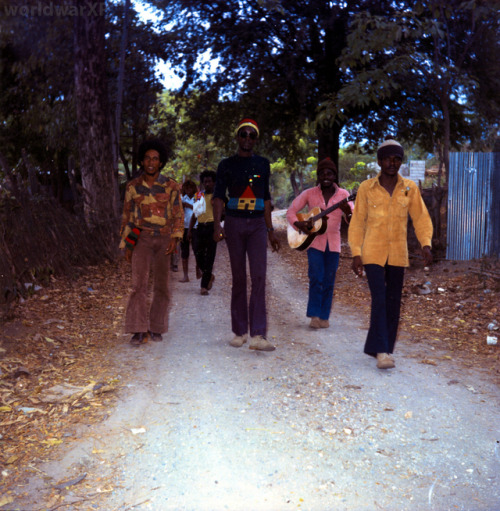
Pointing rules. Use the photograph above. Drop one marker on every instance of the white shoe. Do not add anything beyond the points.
(259, 343)
(238, 341)
(385, 361)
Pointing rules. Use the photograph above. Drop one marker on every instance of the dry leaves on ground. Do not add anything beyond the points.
(55, 368)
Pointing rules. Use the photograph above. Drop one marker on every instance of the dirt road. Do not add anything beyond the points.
(314, 426)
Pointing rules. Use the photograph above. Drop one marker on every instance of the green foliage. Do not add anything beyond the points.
(276, 59)
(37, 87)
(353, 166)
(425, 67)
(306, 71)
(36, 102)
(195, 150)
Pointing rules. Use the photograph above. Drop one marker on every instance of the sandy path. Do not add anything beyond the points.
(312, 426)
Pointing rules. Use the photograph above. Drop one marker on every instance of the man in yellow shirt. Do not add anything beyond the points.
(378, 240)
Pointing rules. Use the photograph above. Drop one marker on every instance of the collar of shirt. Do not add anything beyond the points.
(319, 193)
(376, 181)
(160, 180)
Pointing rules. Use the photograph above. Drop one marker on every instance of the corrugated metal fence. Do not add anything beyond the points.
(473, 226)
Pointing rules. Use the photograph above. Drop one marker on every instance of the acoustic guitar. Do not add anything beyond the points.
(317, 217)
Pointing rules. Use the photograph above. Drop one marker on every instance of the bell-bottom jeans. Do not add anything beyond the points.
(322, 271)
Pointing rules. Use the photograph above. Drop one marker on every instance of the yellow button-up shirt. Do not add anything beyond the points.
(378, 227)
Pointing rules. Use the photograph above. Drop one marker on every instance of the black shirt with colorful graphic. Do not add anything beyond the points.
(246, 181)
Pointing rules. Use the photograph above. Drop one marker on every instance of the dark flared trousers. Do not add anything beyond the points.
(149, 254)
(247, 237)
(205, 249)
(386, 286)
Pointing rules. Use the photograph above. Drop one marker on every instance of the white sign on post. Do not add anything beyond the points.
(416, 170)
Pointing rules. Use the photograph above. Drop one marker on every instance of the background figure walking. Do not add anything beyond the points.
(204, 245)
(324, 252)
(247, 225)
(188, 191)
(378, 241)
(152, 224)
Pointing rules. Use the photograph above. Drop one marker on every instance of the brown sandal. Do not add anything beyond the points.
(139, 338)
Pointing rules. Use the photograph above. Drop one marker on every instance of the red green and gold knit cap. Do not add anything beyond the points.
(247, 122)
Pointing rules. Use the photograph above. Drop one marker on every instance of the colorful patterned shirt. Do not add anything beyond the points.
(157, 209)
(246, 180)
(378, 228)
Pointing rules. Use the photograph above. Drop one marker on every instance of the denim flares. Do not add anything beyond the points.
(322, 271)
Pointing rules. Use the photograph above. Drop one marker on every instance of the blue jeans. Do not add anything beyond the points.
(322, 270)
(247, 237)
(386, 286)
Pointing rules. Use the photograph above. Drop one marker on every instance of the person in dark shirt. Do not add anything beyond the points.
(247, 225)
(203, 236)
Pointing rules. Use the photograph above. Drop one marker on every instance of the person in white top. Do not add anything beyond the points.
(188, 192)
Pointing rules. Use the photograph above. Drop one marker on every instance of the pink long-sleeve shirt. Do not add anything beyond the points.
(312, 198)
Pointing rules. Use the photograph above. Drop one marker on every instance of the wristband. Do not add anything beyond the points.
(133, 236)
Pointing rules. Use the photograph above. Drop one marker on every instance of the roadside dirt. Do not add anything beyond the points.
(194, 424)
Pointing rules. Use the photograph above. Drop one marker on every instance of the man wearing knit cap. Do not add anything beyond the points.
(247, 226)
(378, 241)
(323, 254)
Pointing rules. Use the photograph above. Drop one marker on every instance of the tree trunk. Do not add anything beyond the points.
(121, 76)
(446, 134)
(328, 142)
(135, 147)
(293, 182)
(34, 187)
(10, 177)
(94, 133)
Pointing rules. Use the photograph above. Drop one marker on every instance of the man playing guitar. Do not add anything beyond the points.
(323, 240)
